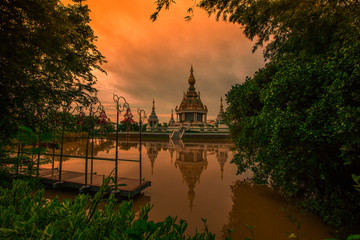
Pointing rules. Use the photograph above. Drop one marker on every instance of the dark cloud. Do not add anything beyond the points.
(149, 61)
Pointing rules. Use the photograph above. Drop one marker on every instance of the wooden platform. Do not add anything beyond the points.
(127, 187)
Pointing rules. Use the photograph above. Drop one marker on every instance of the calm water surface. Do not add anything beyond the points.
(194, 181)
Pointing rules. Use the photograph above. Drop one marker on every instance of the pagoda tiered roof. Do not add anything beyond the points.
(191, 101)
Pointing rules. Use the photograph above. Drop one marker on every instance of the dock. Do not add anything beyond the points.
(126, 187)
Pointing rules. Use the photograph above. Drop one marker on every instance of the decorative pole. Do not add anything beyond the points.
(100, 110)
(119, 108)
(40, 114)
(92, 113)
(19, 154)
(142, 114)
(66, 108)
(55, 121)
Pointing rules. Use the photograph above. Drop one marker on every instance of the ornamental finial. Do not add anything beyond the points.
(191, 77)
(153, 107)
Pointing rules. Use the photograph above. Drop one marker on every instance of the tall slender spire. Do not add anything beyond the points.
(153, 120)
(220, 116)
(191, 78)
(221, 105)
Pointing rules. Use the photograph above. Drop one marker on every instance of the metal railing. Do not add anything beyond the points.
(95, 110)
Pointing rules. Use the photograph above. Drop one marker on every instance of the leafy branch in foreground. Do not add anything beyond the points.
(47, 55)
(24, 215)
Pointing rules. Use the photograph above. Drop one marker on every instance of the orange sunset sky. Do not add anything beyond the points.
(151, 60)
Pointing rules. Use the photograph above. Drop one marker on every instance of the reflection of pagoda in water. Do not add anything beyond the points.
(152, 153)
(190, 159)
(222, 156)
(191, 162)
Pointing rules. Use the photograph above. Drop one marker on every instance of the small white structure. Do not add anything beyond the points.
(153, 119)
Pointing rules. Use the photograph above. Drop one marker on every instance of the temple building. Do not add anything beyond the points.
(191, 109)
(191, 117)
(153, 119)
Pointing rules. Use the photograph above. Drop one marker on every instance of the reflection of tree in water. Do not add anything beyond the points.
(127, 145)
(77, 147)
(191, 162)
(238, 216)
(264, 209)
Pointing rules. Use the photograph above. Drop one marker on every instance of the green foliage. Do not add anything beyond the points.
(353, 237)
(357, 181)
(133, 127)
(109, 128)
(31, 216)
(287, 26)
(30, 146)
(48, 55)
(296, 122)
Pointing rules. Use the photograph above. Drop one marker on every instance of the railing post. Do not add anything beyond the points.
(61, 149)
(140, 112)
(66, 107)
(53, 154)
(140, 161)
(116, 144)
(92, 156)
(87, 145)
(93, 113)
(38, 140)
(18, 158)
(119, 109)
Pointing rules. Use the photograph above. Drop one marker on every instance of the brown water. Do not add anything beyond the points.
(196, 180)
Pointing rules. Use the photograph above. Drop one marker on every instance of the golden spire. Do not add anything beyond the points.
(172, 114)
(221, 105)
(153, 107)
(191, 77)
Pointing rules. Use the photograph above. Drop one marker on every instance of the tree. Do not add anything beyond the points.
(299, 128)
(47, 56)
(295, 123)
(288, 26)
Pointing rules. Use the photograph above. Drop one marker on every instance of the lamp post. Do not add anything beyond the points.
(99, 110)
(92, 111)
(55, 121)
(41, 111)
(142, 115)
(66, 108)
(121, 105)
